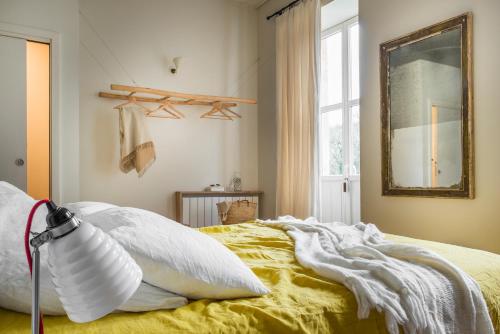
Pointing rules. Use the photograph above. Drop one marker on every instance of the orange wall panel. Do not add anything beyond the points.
(38, 119)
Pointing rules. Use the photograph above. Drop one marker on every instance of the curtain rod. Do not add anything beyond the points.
(282, 10)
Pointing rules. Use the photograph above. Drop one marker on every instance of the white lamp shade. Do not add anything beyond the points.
(92, 273)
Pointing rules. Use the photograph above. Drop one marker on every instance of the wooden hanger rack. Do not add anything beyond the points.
(167, 100)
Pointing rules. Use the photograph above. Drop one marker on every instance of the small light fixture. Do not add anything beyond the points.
(92, 273)
(174, 65)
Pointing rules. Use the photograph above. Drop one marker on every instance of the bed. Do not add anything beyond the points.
(300, 301)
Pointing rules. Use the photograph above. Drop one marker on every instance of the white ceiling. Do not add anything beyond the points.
(333, 13)
(253, 3)
(337, 12)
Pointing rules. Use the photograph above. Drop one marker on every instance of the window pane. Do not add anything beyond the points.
(355, 140)
(331, 69)
(331, 143)
(354, 61)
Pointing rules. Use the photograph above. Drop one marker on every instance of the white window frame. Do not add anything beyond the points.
(345, 105)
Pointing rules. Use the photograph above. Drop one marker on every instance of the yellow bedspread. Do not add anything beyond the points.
(300, 301)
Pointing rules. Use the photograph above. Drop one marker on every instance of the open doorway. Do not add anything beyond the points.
(25, 115)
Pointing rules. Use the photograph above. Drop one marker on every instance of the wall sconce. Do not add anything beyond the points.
(174, 65)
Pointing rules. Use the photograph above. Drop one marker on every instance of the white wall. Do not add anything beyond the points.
(60, 17)
(218, 42)
(474, 223)
(409, 156)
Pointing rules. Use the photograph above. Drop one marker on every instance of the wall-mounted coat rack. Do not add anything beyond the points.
(167, 100)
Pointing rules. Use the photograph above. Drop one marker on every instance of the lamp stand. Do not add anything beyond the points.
(61, 222)
(35, 292)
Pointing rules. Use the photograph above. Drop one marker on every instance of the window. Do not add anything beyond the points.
(339, 100)
(331, 69)
(331, 139)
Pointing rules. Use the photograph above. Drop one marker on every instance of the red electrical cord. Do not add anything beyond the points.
(27, 244)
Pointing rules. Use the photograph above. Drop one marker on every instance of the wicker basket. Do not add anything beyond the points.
(236, 212)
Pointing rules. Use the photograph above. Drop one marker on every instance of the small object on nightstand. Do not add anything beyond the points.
(215, 187)
(236, 182)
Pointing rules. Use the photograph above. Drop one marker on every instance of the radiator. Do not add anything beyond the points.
(199, 208)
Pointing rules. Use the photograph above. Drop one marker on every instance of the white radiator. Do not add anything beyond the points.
(199, 209)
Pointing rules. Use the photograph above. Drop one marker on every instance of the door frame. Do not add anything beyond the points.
(54, 40)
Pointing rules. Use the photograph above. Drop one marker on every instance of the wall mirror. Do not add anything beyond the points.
(426, 106)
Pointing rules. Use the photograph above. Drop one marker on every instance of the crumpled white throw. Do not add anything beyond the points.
(414, 287)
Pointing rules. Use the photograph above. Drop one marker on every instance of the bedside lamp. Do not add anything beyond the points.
(93, 274)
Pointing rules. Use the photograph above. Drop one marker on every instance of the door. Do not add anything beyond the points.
(25, 115)
(339, 154)
(445, 146)
(13, 111)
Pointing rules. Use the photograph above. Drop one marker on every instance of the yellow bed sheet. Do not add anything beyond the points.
(300, 301)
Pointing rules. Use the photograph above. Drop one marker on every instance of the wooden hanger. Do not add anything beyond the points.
(235, 114)
(168, 109)
(221, 111)
(132, 100)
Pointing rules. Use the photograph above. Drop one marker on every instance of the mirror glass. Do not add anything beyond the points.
(425, 112)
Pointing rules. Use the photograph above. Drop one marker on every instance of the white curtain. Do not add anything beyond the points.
(297, 71)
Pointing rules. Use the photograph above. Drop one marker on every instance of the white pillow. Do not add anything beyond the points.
(148, 298)
(15, 282)
(82, 209)
(177, 258)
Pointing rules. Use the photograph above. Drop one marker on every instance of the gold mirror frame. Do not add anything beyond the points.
(465, 188)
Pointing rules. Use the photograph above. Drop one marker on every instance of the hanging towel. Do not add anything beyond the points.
(136, 147)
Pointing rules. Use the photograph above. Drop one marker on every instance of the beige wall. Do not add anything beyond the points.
(38, 119)
(267, 105)
(473, 223)
(218, 42)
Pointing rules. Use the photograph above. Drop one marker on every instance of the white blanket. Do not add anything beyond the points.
(416, 288)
